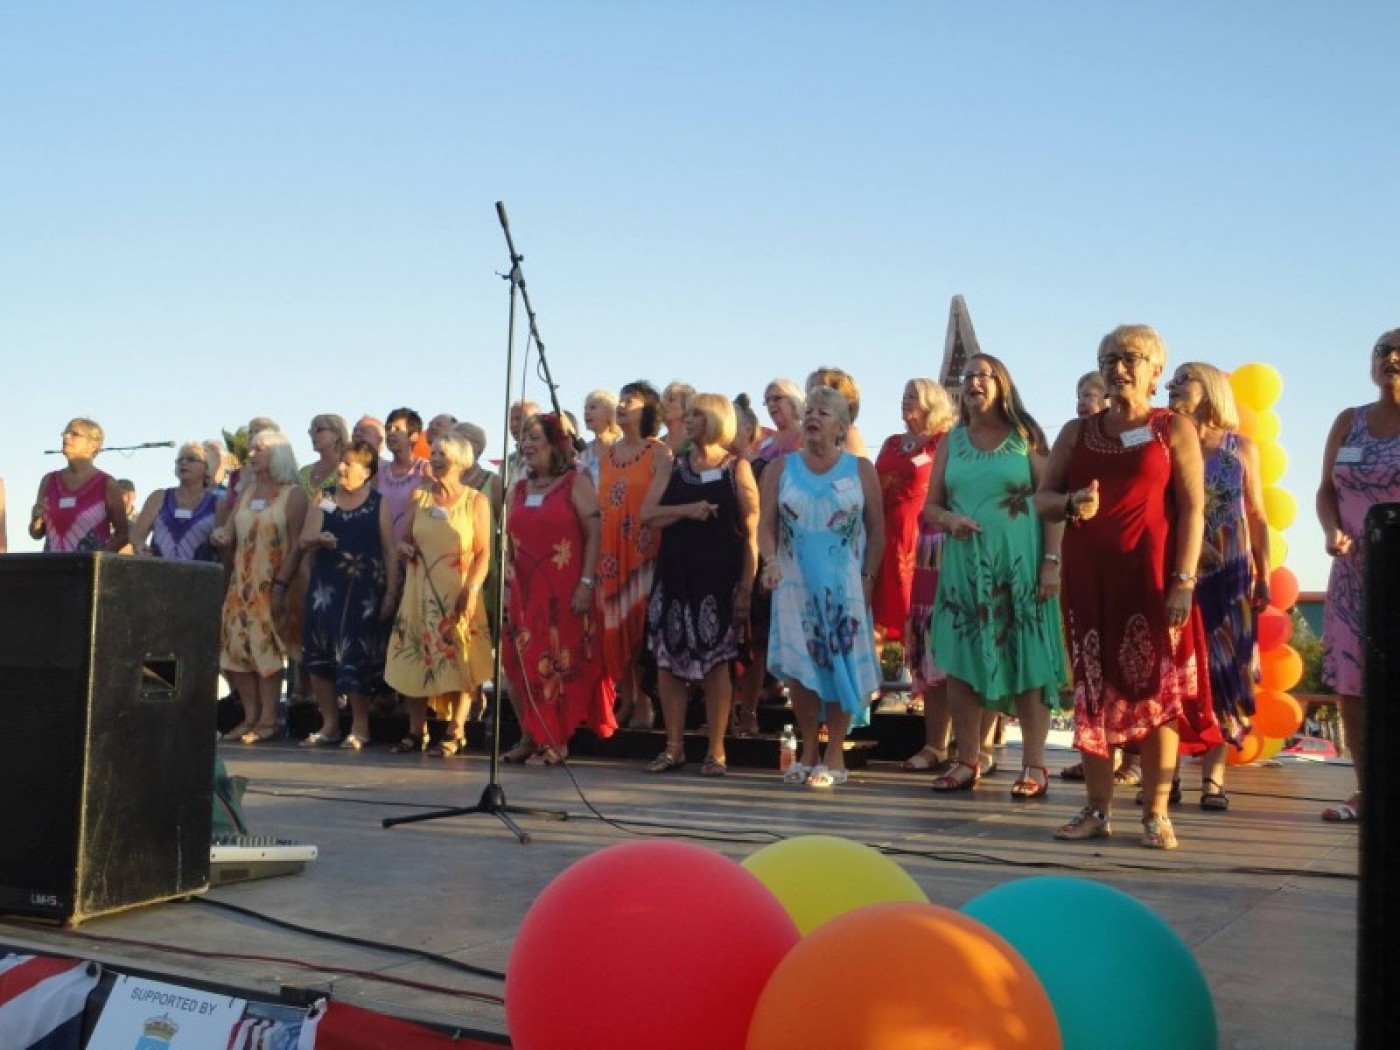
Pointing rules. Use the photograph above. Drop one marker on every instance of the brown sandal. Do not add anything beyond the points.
(924, 760)
(411, 744)
(665, 762)
(523, 749)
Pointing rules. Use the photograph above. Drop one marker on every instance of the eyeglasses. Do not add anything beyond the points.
(773, 399)
(1182, 380)
(1111, 361)
(188, 459)
(986, 377)
(1385, 350)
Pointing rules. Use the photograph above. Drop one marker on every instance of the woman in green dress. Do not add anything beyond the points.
(996, 620)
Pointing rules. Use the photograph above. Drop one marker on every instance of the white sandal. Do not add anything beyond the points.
(797, 773)
(827, 778)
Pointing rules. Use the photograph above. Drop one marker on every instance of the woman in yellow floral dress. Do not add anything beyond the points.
(440, 647)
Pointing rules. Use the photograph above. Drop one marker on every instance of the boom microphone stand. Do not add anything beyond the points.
(493, 798)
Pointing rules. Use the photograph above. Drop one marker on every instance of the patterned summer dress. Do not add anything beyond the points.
(431, 651)
(1366, 472)
(182, 534)
(252, 641)
(1223, 593)
(554, 659)
(627, 555)
(343, 638)
(990, 629)
(904, 467)
(76, 519)
(820, 633)
(398, 492)
(690, 620)
(1132, 672)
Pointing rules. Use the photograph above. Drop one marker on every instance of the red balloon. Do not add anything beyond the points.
(1283, 588)
(645, 944)
(1274, 629)
(1276, 714)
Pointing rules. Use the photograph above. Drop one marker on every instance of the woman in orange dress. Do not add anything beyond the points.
(628, 548)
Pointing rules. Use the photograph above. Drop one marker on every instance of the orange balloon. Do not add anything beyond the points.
(1249, 422)
(1283, 588)
(984, 994)
(1250, 749)
(1280, 669)
(1276, 714)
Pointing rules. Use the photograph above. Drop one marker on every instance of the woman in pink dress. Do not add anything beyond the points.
(79, 508)
(1129, 481)
(1360, 468)
(553, 652)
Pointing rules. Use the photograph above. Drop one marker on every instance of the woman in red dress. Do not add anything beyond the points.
(1130, 482)
(79, 508)
(554, 655)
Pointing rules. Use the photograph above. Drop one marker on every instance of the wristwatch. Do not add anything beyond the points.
(588, 581)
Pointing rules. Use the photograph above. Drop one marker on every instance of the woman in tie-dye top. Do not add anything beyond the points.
(176, 522)
(79, 508)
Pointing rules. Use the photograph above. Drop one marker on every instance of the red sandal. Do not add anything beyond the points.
(950, 780)
(1027, 787)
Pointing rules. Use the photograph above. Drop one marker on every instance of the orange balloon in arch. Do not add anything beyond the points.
(1280, 669)
(1249, 422)
(944, 980)
(1283, 588)
(1251, 747)
(1276, 714)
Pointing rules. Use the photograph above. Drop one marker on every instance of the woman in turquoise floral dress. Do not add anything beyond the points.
(821, 535)
(996, 621)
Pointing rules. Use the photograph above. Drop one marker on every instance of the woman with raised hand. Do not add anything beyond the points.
(1129, 482)
(553, 651)
(996, 621)
(821, 535)
(349, 540)
(628, 545)
(1233, 584)
(707, 512)
(79, 508)
(1360, 468)
(179, 521)
(262, 530)
(785, 402)
(440, 645)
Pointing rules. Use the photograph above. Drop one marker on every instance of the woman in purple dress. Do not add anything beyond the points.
(1360, 468)
(176, 522)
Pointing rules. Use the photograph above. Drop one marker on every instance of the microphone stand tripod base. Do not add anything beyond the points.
(493, 803)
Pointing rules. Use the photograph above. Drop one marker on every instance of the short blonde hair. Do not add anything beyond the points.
(90, 428)
(675, 386)
(195, 448)
(215, 462)
(1222, 411)
(338, 426)
(788, 388)
(454, 446)
(1095, 379)
(720, 422)
(829, 397)
(1140, 337)
(282, 461)
(937, 405)
(842, 382)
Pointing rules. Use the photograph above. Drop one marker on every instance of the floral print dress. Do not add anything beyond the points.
(252, 641)
(820, 634)
(990, 629)
(431, 651)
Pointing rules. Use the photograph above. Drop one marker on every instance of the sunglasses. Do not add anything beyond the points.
(1385, 350)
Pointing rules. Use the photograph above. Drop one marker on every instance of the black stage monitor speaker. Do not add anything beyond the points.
(108, 682)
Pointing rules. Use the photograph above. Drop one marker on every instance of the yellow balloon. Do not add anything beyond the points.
(1256, 385)
(1280, 508)
(1273, 462)
(1267, 425)
(818, 877)
(1272, 746)
(1278, 548)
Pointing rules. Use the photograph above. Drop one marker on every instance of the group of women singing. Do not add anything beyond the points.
(1125, 564)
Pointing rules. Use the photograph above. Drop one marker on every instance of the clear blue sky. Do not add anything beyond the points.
(210, 211)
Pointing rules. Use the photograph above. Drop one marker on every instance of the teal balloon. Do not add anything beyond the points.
(1115, 972)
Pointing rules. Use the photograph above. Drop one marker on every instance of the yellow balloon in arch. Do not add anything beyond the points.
(1267, 425)
(1273, 462)
(1256, 385)
(1280, 508)
(1278, 549)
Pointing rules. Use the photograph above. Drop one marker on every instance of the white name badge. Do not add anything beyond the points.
(921, 459)
(534, 499)
(327, 505)
(1137, 436)
(257, 504)
(709, 477)
(182, 514)
(1349, 454)
(438, 512)
(844, 485)
(67, 502)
